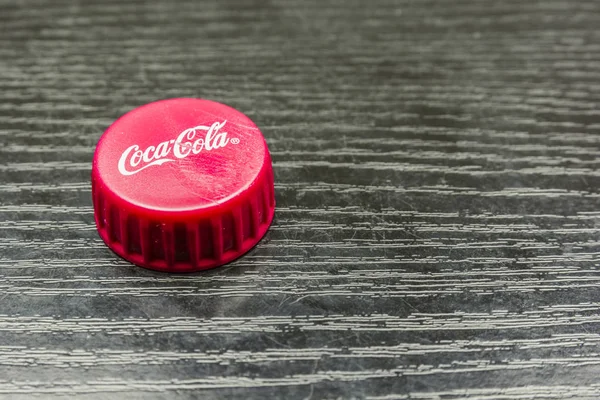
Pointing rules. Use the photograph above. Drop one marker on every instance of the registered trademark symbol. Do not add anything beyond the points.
(235, 140)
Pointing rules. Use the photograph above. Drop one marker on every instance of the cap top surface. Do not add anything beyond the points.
(180, 154)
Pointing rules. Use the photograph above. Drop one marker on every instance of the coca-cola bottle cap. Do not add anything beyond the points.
(182, 185)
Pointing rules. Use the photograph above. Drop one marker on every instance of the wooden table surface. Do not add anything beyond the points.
(437, 233)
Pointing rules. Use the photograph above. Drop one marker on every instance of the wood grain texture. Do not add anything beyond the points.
(437, 234)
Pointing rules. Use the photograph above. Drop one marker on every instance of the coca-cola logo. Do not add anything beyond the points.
(190, 141)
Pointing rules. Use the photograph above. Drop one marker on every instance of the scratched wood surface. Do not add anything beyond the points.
(437, 234)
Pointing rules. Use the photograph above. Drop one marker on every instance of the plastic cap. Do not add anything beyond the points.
(182, 185)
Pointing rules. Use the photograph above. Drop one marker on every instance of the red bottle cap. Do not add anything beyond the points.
(182, 185)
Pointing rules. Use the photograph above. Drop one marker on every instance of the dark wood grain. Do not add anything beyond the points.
(437, 234)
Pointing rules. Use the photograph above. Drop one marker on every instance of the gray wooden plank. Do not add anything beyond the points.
(437, 227)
